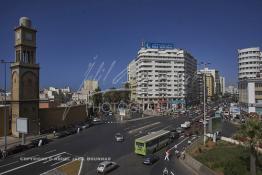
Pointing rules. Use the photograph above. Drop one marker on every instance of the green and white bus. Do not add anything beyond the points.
(152, 142)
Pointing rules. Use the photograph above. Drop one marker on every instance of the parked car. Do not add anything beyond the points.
(60, 134)
(150, 159)
(35, 142)
(119, 137)
(106, 166)
(97, 120)
(71, 131)
(16, 149)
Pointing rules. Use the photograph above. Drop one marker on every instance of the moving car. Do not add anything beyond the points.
(179, 130)
(119, 137)
(150, 159)
(106, 166)
(186, 124)
(174, 134)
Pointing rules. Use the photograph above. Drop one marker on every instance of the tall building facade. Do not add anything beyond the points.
(216, 77)
(250, 80)
(222, 85)
(132, 80)
(163, 75)
(25, 77)
(249, 63)
(209, 85)
(84, 95)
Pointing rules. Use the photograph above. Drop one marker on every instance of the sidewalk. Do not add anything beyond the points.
(14, 141)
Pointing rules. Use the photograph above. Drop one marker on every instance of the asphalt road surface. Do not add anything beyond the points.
(99, 142)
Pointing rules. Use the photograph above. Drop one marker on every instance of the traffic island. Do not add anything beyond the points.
(71, 168)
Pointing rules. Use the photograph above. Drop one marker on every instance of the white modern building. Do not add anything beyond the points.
(249, 63)
(162, 75)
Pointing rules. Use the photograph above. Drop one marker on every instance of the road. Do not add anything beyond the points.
(98, 142)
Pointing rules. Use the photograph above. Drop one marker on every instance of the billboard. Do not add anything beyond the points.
(22, 125)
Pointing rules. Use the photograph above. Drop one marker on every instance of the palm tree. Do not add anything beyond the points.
(251, 132)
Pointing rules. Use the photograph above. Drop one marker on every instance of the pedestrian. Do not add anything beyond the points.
(40, 142)
(165, 171)
(183, 155)
(167, 155)
(4, 154)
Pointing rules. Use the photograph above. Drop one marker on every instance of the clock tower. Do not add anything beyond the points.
(25, 78)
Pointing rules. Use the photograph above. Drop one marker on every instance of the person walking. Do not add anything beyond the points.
(167, 155)
(4, 154)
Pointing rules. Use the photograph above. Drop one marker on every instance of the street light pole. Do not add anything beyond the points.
(205, 64)
(5, 113)
(204, 108)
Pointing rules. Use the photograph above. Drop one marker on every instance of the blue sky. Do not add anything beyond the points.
(73, 34)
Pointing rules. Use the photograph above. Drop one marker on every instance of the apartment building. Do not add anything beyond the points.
(162, 76)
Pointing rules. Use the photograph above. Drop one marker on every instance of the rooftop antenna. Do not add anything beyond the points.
(143, 43)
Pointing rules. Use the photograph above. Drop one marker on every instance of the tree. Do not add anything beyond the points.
(97, 98)
(251, 132)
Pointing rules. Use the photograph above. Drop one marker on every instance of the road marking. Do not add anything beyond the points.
(52, 159)
(50, 151)
(8, 171)
(81, 165)
(131, 120)
(143, 127)
(8, 164)
(179, 143)
(64, 159)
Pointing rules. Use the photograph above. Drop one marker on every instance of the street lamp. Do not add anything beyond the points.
(5, 117)
(205, 65)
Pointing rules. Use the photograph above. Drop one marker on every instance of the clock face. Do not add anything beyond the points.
(28, 36)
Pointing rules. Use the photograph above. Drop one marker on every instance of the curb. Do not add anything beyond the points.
(188, 167)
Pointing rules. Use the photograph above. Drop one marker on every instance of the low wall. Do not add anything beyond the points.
(226, 139)
(198, 166)
(53, 117)
(2, 115)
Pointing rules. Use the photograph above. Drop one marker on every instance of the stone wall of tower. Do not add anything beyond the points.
(25, 80)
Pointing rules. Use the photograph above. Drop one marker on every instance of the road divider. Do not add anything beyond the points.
(143, 127)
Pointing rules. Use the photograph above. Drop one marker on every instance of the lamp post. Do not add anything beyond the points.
(205, 65)
(5, 117)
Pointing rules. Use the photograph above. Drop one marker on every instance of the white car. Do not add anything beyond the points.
(106, 166)
(119, 137)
